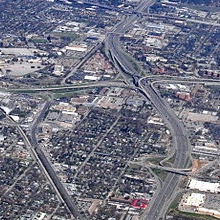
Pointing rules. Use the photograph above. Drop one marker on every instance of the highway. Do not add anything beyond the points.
(113, 83)
(129, 12)
(48, 168)
(81, 62)
(39, 156)
(186, 20)
(161, 201)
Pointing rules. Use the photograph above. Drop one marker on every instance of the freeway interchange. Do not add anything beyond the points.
(164, 196)
(162, 199)
(133, 79)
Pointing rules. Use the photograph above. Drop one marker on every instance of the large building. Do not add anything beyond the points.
(193, 200)
(204, 186)
(200, 203)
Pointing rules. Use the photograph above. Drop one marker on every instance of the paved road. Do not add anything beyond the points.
(155, 16)
(162, 199)
(50, 172)
(129, 12)
(113, 83)
(43, 162)
(81, 62)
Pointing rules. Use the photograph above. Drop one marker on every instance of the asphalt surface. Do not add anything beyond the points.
(81, 62)
(165, 195)
(67, 87)
(44, 161)
(163, 198)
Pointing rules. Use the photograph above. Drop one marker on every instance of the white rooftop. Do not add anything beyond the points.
(204, 186)
(194, 199)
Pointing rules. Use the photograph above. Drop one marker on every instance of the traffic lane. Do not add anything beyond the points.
(163, 197)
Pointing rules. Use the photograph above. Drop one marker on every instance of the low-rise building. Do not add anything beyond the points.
(204, 186)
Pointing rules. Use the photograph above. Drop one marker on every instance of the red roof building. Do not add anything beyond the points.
(140, 203)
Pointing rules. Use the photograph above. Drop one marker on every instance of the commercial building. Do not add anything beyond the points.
(204, 186)
(193, 200)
